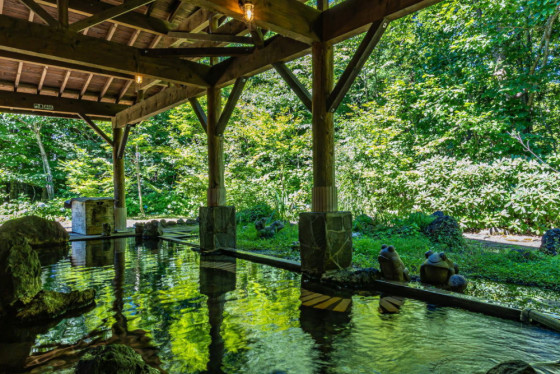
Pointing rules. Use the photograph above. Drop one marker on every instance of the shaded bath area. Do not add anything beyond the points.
(190, 313)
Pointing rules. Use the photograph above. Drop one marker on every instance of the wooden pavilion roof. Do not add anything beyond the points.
(79, 58)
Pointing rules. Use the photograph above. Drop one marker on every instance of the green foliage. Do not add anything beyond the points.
(261, 210)
(23, 206)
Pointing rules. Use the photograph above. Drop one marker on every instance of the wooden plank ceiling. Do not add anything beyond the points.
(65, 57)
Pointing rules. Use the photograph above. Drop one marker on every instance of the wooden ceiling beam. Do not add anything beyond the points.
(14, 56)
(156, 104)
(95, 128)
(62, 8)
(41, 12)
(278, 48)
(198, 52)
(220, 38)
(45, 42)
(24, 101)
(353, 17)
(287, 17)
(49, 114)
(108, 14)
(132, 19)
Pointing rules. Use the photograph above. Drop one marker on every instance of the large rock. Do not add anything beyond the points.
(267, 232)
(113, 359)
(551, 242)
(445, 230)
(512, 367)
(38, 231)
(20, 271)
(48, 305)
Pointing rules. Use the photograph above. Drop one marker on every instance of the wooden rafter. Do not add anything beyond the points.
(352, 17)
(18, 76)
(356, 64)
(124, 140)
(230, 105)
(24, 101)
(95, 128)
(1, 5)
(64, 83)
(175, 10)
(199, 112)
(123, 91)
(132, 19)
(198, 52)
(220, 38)
(62, 8)
(295, 84)
(278, 48)
(41, 13)
(286, 17)
(41, 41)
(108, 14)
(156, 104)
(42, 80)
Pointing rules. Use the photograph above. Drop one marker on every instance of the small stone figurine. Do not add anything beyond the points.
(439, 270)
(392, 267)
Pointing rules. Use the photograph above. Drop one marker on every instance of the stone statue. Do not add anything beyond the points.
(437, 269)
(392, 267)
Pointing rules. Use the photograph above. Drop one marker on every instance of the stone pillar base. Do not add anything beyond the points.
(217, 227)
(325, 242)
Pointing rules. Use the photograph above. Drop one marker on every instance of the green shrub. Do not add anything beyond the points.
(258, 211)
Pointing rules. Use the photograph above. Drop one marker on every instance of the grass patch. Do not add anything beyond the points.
(475, 260)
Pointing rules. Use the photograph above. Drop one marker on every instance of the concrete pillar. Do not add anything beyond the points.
(119, 182)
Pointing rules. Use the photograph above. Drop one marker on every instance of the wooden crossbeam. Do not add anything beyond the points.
(278, 48)
(62, 8)
(42, 80)
(14, 56)
(286, 17)
(353, 17)
(230, 105)
(196, 22)
(199, 112)
(223, 38)
(41, 113)
(42, 13)
(155, 104)
(108, 14)
(64, 83)
(95, 128)
(124, 140)
(24, 101)
(356, 64)
(132, 19)
(295, 84)
(41, 41)
(198, 52)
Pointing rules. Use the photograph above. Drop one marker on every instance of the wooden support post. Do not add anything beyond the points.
(230, 105)
(294, 83)
(216, 186)
(199, 113)
(324, 198)
(124, 140)
(118, 181)
(95, 128)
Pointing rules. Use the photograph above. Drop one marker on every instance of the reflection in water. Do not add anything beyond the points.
(390, 304)
(217, 277)
(92, 253)
(206, 314)
(324, 314)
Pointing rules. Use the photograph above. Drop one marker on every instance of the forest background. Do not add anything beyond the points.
(457, 109)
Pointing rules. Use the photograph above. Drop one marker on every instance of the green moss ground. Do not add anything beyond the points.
(475, 260)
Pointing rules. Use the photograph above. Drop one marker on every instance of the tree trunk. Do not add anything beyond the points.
(46, 167)
(138, 181)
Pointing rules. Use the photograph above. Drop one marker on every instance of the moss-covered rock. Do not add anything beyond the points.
(550, 243)
(20, 271)
(113, 359)
(512, 367)
(48, 305)
(445, 230)
(38, 231)
(363, 224)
